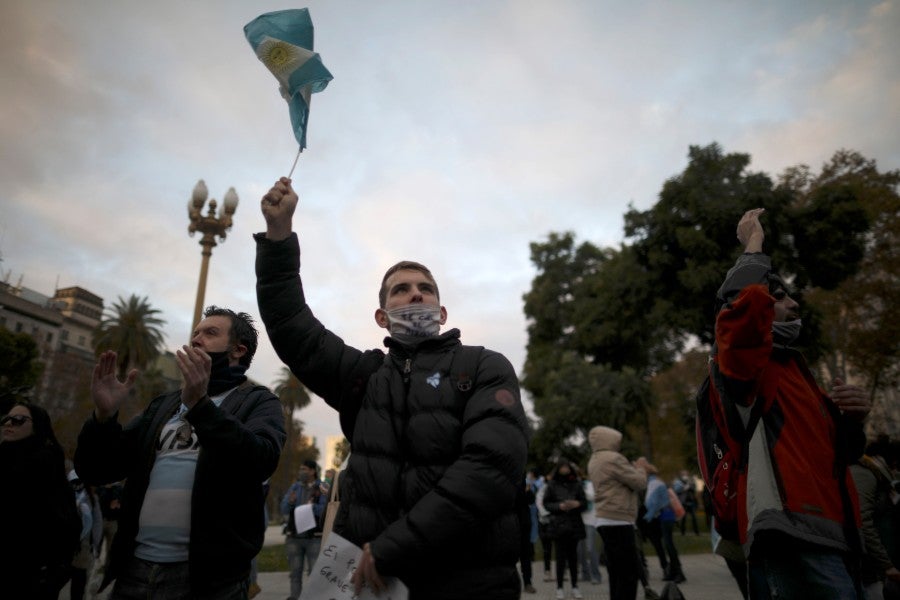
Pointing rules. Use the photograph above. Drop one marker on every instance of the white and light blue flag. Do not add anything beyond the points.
(283, 41)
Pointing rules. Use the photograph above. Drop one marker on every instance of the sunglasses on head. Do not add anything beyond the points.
(14, 420)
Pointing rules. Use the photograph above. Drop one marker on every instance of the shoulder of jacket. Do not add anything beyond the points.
(257, 391)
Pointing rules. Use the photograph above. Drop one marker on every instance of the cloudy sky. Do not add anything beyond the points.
(454, 133)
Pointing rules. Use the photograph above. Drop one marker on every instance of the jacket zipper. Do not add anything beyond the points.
(407, 369)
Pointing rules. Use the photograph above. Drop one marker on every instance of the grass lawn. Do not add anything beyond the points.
(685, 544)
(272, 558)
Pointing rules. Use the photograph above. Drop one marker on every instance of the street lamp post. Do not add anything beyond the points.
(211, 226)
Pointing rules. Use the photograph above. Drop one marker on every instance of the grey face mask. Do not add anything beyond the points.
(415, 320)
(786, 332)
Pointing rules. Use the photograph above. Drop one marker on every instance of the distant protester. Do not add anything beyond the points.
(41, 528)
(660, 518)
(564, 500)
(303, 547)
(616, 483)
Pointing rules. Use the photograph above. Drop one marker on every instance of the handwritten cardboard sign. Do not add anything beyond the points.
(331, 573)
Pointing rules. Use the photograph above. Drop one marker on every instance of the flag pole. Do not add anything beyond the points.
(299, 150)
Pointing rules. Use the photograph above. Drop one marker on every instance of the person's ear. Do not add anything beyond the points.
(381, 318)
(237, 351)
(443, 315)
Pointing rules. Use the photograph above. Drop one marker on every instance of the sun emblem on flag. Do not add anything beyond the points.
(280, 57)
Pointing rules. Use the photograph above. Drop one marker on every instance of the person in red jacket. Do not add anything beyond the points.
(797, 512)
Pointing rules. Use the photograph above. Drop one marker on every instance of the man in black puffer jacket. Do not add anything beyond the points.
(437, 429)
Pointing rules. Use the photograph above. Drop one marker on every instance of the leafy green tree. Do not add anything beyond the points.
(577, 369)
(686, 241)
(20, 365)
(341, 452)
(861, 311)
(671, 423)
(134, 331)
(630, 312)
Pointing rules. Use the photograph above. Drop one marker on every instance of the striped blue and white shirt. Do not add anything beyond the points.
(164, 527)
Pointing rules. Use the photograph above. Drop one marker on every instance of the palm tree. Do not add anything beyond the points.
(297, 448)
(133, 331)
(293, 396)
(291, 392)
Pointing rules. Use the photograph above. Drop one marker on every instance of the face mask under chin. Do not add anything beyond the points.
(786, 332)
(415, 320)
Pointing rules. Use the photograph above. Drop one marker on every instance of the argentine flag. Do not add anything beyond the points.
(283, 41)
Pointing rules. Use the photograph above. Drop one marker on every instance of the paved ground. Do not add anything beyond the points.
(707, 579)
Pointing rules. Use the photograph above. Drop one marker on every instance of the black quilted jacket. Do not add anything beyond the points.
(434, 471)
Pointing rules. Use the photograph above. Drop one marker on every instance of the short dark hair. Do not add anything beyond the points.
(405, 265)
(242, 330)
(311, 464)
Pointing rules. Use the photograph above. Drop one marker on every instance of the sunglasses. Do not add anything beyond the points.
(14, 420)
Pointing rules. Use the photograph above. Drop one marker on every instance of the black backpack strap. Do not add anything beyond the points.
(464, 368)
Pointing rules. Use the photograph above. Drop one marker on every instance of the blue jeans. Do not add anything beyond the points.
(791, 572)
(300, 550)
(667, 527)
(589, 556)
(141, 579)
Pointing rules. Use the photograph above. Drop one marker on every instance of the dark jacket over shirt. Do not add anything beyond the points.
(240, 443)
(41, 524)
(434, 472)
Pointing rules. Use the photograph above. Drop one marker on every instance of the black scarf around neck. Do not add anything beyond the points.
(223, 376)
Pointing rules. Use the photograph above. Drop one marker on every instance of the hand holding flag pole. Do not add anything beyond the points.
(283, 41)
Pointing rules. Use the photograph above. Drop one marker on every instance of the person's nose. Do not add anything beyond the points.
(417, 296)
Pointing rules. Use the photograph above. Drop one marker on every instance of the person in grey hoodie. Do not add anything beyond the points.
(616, 483)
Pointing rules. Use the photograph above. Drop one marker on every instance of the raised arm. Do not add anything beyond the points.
(107, 392)
(744, 323)
(750, 231)
(278, 206)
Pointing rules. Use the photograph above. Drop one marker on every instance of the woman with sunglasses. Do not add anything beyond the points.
(41, 526)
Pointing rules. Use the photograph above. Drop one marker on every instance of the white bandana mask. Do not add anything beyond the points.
(786, 332)
(415, 320)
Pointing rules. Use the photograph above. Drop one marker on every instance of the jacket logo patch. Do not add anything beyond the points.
(434, 380)
(505, 397)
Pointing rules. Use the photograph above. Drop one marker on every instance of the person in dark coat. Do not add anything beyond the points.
(565, 501)
(438, 431)
(42, 528)
(194, 461)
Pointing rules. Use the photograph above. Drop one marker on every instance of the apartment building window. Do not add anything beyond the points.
(18, 328)
(49, 337)
(81, 340)
(64, 335)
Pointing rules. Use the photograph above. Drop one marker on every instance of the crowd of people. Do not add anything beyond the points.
(435, 491)
(600, 517)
